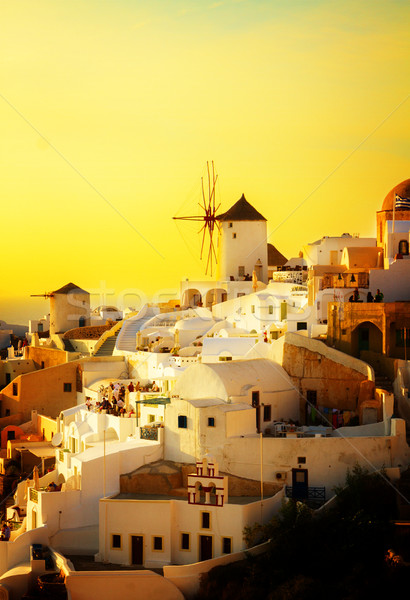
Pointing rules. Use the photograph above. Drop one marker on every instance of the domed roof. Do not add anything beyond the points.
(402, 189)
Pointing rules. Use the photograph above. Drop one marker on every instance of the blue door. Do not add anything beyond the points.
(299, 484)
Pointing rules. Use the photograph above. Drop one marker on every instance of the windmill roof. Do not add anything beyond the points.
(275, 258)
(241, 211)
(68, 288)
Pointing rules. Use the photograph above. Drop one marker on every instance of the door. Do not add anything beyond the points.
(363, 338)
(255, 404)
(137, 550)
(205, 547)
(299, 484)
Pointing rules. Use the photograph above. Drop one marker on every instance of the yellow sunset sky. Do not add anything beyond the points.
(109, 111)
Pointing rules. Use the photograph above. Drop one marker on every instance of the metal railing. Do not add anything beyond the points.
(149, 433)
(316, 496)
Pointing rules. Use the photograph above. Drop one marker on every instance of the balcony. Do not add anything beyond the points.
(344, 280)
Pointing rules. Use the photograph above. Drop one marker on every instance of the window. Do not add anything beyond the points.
(15, 389)
(157, 543)
(301, 460)
(42, 364)
(8, 378)
(7, 412)
(182, 422)
(116, 541)
(300, 325)
(151, 418)
(270, 309)
(230, 225)
(234, 236)
(211, 421)
(401, 335)
(185, 542)
(205, 520)
(226, 545)
(224, 358)
(267, 412)
(253, 309)
(67, 387)
(403, 247)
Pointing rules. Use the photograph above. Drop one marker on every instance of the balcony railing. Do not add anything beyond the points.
(316, 496)
(149, 433)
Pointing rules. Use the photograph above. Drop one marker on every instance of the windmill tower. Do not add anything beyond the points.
(242, 243)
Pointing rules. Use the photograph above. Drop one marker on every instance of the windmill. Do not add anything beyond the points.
(207, 218)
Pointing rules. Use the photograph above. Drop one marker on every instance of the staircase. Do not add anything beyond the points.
(127, 338)
(107, 347)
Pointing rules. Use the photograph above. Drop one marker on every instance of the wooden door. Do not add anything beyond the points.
(137, 550)
(205, 547)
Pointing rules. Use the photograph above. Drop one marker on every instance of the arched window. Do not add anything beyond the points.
(403, 247)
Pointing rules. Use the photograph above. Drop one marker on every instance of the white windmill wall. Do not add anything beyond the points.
(67, 309)
(242, 244)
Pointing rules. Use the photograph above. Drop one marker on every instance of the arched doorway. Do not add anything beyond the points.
(192, 297)
(215, 296)
(367, 336)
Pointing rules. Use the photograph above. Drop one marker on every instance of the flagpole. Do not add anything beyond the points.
(394, 211)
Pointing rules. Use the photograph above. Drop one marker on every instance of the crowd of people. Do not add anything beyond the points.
(114, 398)
(355, 297)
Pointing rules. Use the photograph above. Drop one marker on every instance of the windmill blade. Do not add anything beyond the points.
(194, 218)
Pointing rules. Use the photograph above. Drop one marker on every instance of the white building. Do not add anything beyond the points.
(214, 402)
(158, 530)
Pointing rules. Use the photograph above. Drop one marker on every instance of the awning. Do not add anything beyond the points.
(40, 451)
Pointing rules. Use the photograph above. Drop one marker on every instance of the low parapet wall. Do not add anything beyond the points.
(127, 585)
(187, 577)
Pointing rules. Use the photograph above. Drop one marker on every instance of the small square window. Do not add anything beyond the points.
(67, 387)
(185, 541)
(157, 543)
(115, 540)
(205, 520)
(301, 460)
(226, 545)
(182, 422)
(211, 421)
(267, 412)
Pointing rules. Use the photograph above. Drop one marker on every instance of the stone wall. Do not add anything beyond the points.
(336, 385)
(171, 479)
